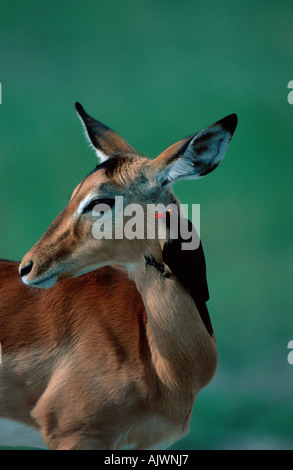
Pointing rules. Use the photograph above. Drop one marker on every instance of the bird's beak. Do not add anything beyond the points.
(163, 215)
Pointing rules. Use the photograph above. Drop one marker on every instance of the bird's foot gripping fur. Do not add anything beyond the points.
(162, 267)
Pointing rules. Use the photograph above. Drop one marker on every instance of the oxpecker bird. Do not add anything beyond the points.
(183, 255)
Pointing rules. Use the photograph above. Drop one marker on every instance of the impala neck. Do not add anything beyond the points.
(183, 352)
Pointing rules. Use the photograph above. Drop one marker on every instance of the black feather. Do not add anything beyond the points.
(189, 267)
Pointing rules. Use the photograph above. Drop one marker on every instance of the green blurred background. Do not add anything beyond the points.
(157, 71)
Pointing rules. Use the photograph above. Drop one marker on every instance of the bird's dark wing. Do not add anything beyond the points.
(189, 267)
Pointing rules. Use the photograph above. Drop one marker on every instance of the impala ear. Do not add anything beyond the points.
(104, 141)
(198, 155)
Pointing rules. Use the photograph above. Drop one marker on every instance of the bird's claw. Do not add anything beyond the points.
(149, 259)
(166, 274)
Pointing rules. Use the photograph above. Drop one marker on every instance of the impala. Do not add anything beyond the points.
(99, 349)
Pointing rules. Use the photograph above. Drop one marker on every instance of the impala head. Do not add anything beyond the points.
(69, 247)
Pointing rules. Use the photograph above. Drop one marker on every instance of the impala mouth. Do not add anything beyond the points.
(45, 283)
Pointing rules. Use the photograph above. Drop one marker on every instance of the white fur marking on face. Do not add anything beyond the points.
(82, 205)
(47, 283)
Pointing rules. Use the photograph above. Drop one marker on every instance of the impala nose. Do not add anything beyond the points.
(26, 269)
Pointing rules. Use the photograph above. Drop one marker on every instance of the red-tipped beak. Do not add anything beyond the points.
(163, 215)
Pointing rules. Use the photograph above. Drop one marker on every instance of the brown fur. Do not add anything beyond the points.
(96, 380)
(115, 357)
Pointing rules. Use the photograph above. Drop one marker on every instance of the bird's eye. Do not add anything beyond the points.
(104, 203)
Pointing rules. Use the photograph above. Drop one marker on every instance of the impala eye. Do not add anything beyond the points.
(105, 203)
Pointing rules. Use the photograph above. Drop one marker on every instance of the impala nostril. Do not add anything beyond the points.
(26, 269)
